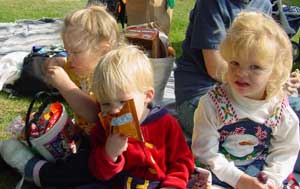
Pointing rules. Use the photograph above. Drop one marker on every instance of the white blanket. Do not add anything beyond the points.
(22, 35)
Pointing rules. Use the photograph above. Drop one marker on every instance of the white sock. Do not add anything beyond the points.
(15, 154)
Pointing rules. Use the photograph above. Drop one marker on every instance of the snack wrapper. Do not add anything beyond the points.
(125, 122)
(16, 128)
(200, 179)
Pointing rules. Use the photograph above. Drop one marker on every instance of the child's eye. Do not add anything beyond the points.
(234, 63)
(105, 104)
(124, 101)
(255, 67)
(73, 52)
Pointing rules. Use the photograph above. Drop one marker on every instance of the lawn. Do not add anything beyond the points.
(11, 10)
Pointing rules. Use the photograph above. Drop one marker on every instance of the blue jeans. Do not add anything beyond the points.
(295, 104)
(185, 113)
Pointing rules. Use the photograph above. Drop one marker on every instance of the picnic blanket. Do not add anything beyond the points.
(20, 36)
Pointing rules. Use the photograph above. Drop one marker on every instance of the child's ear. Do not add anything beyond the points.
(149, 95)
(106, 47)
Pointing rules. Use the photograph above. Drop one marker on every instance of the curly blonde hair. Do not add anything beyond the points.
(259, 35)
(86, 28)
(124, 69)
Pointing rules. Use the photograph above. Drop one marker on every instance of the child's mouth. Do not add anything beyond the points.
(241, 84)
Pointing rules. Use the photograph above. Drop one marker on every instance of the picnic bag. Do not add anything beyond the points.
(155, 45)
(31, 80)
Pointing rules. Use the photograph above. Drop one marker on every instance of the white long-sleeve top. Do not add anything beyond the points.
(284, 143)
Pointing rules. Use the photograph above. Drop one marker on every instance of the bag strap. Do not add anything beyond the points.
(48, 98)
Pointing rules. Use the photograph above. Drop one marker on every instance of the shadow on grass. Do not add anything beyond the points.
(9, 178)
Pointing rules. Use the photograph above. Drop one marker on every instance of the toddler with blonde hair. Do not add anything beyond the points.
(246, 126)
(161, 158)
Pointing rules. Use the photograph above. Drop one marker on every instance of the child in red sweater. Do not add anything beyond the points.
(162, 159)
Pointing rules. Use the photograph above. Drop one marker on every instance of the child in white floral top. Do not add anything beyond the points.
(246, 125)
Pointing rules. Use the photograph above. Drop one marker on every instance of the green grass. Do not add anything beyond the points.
(11, 10)
(179, 23)
(291, 2)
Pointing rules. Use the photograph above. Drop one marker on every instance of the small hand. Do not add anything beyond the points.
(57, 77)
(115, 145)
(56, 61)
(53, 61)
(293, 84)
(262, 177)
(248, 182)
(269, 186)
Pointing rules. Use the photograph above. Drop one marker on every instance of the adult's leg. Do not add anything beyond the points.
(185, 114)
(295, 104)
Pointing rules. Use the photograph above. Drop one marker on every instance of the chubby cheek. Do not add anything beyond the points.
(79, 68)
(258, 81)
(230, 78)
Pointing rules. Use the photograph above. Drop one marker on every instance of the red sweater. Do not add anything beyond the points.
(167, 158)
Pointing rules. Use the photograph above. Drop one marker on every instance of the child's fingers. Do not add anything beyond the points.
(51, 71)
(56, 61)
(270, 186)
(292, 92)
(53, 62)
(295, 82)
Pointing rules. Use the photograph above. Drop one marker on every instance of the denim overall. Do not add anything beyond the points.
(244, 142)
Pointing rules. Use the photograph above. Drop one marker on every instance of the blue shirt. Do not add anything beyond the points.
(208, 22)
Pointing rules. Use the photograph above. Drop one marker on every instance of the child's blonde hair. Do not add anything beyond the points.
(124, 69)
(256, 34)
(89, 27)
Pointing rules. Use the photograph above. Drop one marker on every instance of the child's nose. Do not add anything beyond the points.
(242, 72)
